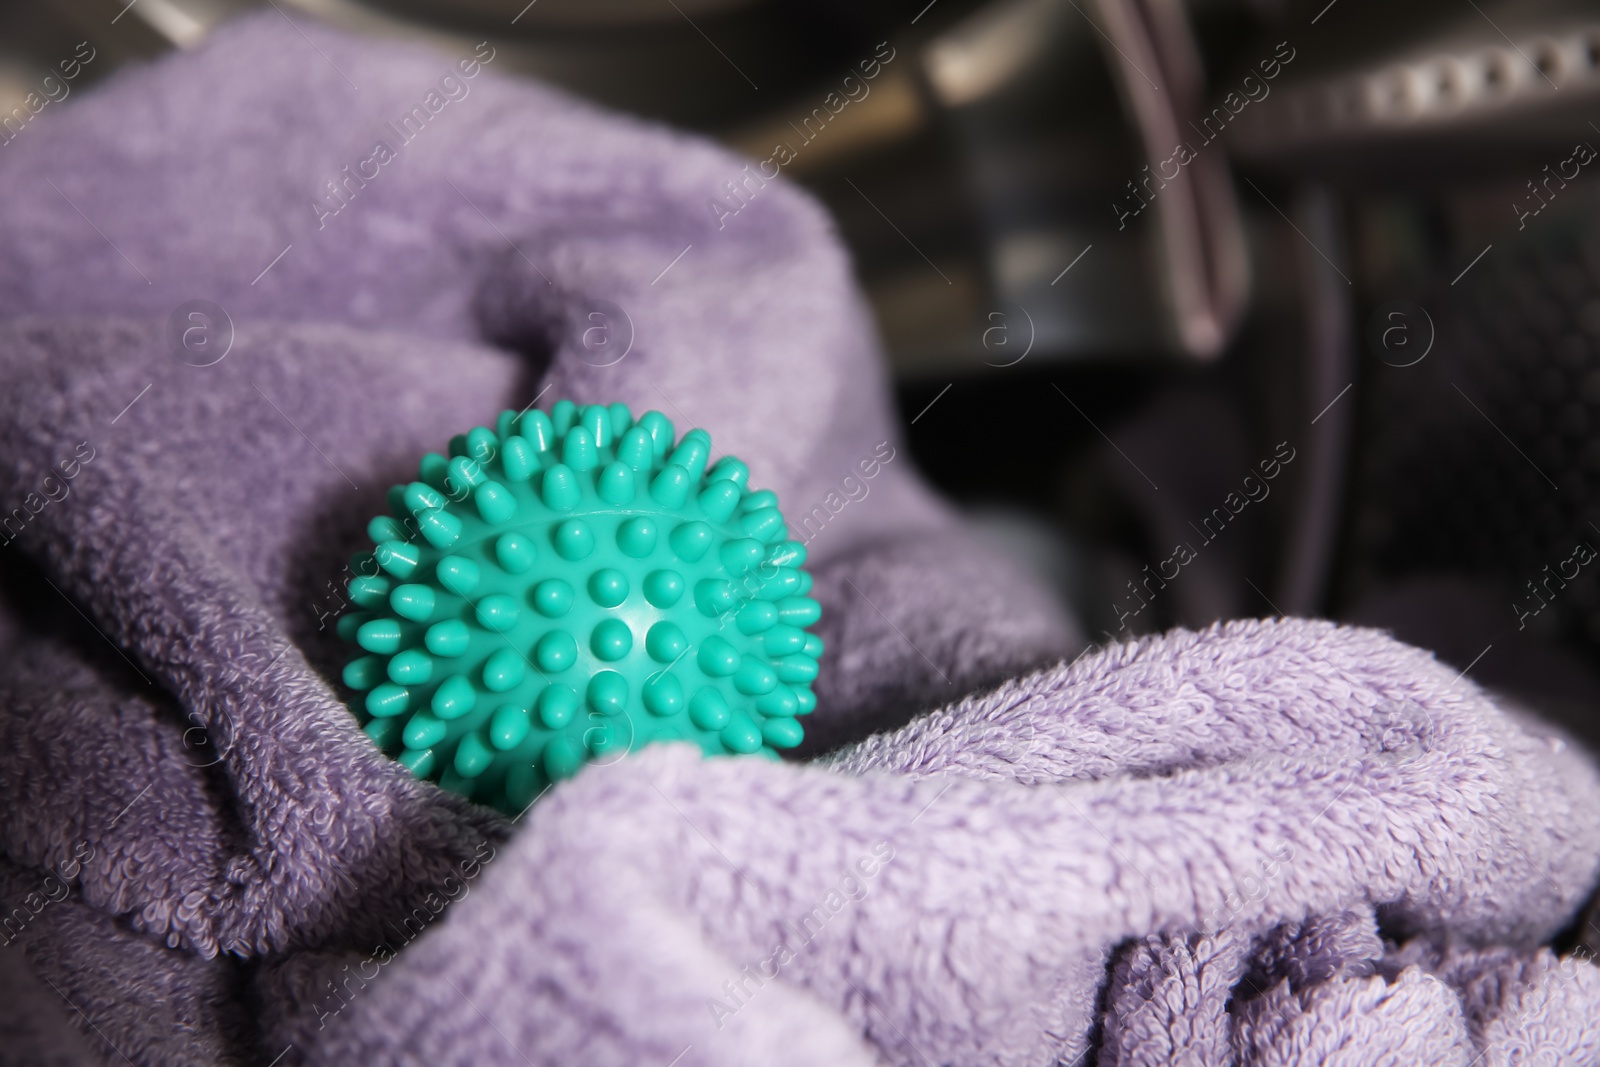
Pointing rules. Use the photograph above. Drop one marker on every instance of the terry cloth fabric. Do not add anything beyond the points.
(1266, 843)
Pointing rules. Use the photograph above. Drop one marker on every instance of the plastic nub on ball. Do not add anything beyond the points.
(568, 588)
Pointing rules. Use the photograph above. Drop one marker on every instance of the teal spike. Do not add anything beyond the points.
(363, 672)
(498, 612)
(414, 602)
(780, 583)
(784, 640)
(387, 700)
(563, 413)
(398, 558)
(740, 555)
(616, 483)
(787, 554)
(422, 762)
(709, 708)
(562, 758)
(459, 574)
(663, 588)
(535, 428)
(659, 427)
(578, 450)
(386, 528)
(782, 733)
(636, 449)
(440, 527)
(448, 638)
(455, 697)
(732, 469)
(621, 420)
(691, 540)
(495, 502)
(638, 537)
(761, 498)
(420, 498)
(518, 459)
(757, 616)
(465, 474)
(508, 727)
(370, 591)
(424, 731)
(411, 667)
(670, 488)
(482, 444)
(719, 499)
(560, 488)
(383, 636)
(799, 611)
(692, 453)
(350, 623)
(473, 756)
(796, 669)
(765, 524)
(433, 470)
(780, 701)
(385, 733)
(596, 419)
(515, 553)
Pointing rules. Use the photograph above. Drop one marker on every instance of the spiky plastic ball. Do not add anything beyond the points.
(569, 587)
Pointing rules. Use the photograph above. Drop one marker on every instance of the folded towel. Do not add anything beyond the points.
(1270, 842)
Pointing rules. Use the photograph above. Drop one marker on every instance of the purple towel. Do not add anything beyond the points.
(1268, 843)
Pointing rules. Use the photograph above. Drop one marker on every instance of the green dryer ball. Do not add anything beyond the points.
(570, 587)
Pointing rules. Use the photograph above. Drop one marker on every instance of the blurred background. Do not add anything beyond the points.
(1201, 310)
